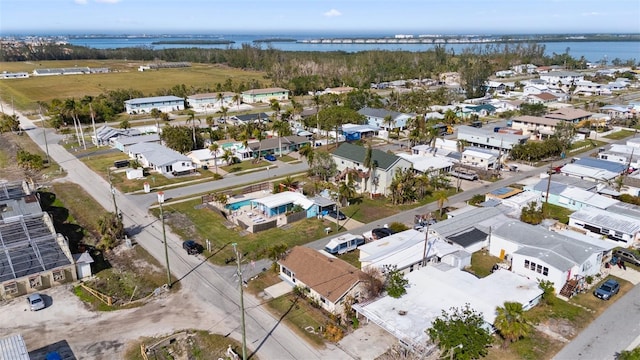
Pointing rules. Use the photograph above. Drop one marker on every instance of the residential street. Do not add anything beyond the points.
(265, 335)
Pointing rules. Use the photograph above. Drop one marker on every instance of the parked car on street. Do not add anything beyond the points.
(270, 157)
(607, 289)
(192, 247)
(35, 301)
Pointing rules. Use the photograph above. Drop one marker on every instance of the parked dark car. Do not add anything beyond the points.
(607, 289)
(336, 214)
(270, 157)
(192, 247)
(380, 233)
(627, 256)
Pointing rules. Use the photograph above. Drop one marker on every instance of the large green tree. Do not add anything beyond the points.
(323, 165)
(462, 331)
(180, 138)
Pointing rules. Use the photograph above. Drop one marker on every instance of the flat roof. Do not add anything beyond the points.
(433, 289)
(284, 198)
(154, 99)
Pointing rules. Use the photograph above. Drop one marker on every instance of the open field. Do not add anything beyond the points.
(25, 92)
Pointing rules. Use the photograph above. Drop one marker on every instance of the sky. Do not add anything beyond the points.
(318, 16)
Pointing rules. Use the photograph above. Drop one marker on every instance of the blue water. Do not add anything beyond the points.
(592, 51)
(237, 205)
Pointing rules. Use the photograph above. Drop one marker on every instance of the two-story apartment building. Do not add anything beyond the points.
(254, 96)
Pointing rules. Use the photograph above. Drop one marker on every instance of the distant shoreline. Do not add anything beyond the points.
(274, 40)
(193, 42)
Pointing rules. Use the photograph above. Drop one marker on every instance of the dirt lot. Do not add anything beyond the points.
(66, 321)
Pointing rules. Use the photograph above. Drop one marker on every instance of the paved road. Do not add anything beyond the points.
(265, 334)
(610, 333)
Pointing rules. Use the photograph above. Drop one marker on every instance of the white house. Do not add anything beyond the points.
(254, 96)
(210, 101)
(206, 157)
(161, 159)
(378, 118)
(407, 249)
(480, 158)
(428, 164)
(350, 158)
(162, 103)
(534, 126)
(323, 277)
(485, 138)
(540, 254)
(607, 223)
(622, 154)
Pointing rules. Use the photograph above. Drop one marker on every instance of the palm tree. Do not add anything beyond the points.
(388, 120)
(70, 108)
(236, 99)
(213, 148)
(220, 97)
(259, 135)
(306, 150)
(282, 128)
(441, 197)
(346, 191)
(192, 119)
(317, 102)
(511, 322)
(450, 117)
(155, 113)
(368, 161)
(275, 106)
(227, 156)
(223, 113)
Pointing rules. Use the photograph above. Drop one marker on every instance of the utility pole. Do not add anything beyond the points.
(113, 192)
(164, 237)
(426, 240)
(93, 122)
(546, 199)
(239, 272)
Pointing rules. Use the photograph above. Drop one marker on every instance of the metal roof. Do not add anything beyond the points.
(154, 100)
(556, 250)
(601, 164)
(28, 245)
(12, 190)
(156, 154)
(13, 347)
(608, 219)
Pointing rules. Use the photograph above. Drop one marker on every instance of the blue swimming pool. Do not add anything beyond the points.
(238, 205)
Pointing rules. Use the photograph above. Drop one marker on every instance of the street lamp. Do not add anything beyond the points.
(239, 272)
(164, 237)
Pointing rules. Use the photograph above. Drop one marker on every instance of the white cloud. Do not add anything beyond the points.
(332, 13)
(593, 13)
(108, 1)
(80, 2)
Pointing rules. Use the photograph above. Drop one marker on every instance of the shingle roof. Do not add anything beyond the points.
(250, 117)
(330, 277)
(264, 91)
(358, 153)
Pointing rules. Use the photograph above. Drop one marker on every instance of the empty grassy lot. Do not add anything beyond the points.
(124, 75)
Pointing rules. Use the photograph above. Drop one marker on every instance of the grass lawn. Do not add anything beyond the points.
(286, 158)
(482, 262)
(26, 92)
(300, 314)
(620, 134)
(556, 212)
(201, 223)
(263, 281)
(352, 257)
(247, 165)
(366, 210)
(585, 145)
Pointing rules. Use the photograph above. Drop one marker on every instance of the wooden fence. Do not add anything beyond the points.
(102, 297)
